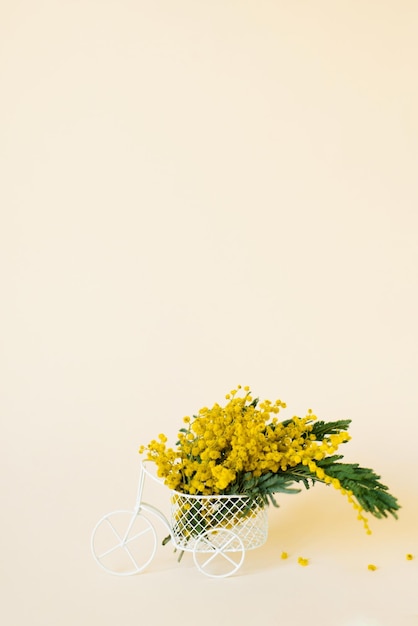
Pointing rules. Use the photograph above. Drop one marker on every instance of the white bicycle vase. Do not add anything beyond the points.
(217, 530)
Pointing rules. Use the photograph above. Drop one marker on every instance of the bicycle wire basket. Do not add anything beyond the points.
(195, 517)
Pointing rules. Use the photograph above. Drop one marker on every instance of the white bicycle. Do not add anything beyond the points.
(217, 530)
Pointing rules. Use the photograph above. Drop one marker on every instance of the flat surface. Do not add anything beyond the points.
(50, 567)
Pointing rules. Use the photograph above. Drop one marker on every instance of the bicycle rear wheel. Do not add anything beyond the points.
(218, 553)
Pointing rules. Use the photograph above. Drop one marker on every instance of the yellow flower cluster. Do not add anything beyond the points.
(222, 443)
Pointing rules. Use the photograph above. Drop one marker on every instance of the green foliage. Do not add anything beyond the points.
(365, 484)
(262, 488)
(372, 495)
(323, 429)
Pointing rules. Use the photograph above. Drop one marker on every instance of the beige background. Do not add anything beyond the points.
(197, 194)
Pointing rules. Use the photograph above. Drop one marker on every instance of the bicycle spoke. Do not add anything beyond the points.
(227, 543)
(234, 563)
(219, 552)
(119, 545)
(142, 532)
(131, 557)
(128, 530)
(209, 560)
(114, 530)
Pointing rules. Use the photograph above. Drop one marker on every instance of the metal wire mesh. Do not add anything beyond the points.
(193, 515)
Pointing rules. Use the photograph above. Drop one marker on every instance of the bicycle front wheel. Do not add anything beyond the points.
(124, 542)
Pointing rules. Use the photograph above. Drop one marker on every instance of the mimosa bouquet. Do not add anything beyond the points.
(242, 449)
